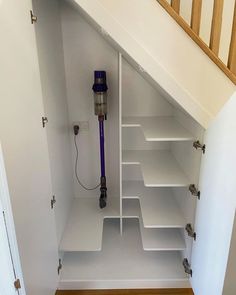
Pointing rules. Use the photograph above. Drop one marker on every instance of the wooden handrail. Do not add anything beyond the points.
(212, 49)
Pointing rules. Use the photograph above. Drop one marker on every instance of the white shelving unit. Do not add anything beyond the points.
(159, 168)
(143, 229)
(159, 128)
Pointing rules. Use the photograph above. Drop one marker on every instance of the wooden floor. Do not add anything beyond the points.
(129, 292)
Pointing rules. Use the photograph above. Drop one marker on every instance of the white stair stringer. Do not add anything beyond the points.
(151, 39)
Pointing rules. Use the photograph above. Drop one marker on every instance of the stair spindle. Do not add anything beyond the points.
(176, 5)
(232, 50)
(196, 16)
(216, 26)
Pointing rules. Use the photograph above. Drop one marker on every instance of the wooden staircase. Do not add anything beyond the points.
(193, 30)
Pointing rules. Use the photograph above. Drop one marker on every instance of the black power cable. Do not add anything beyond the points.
(76, 131)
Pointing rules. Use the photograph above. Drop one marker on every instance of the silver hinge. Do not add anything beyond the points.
(17, 284)
(44, 121)
(59, 267)
(191, 233)
(194, 191)
(198, 146)
(53, 202)
(187, 267)
(33, 17)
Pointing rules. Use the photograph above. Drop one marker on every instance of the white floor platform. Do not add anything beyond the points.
(84, 228)
(122, 263)
(159, 168)
(159, 128)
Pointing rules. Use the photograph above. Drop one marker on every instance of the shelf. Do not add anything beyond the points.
(129, 266)
(162, 239)
(84, 228)
(154, 239)
(159, 128)
(159, 168)
(159, 208)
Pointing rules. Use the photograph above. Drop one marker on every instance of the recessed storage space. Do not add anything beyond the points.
(122, 261)
(139, 239)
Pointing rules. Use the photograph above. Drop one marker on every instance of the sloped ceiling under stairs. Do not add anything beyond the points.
(152, 41)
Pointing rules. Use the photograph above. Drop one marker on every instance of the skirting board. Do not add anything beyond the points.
(128, 292)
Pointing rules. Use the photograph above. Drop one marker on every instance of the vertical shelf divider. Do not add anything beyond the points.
(120, 137)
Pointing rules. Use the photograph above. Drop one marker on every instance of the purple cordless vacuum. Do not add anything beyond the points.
(100, 106)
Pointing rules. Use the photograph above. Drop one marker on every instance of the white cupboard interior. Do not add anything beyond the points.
(139, 239)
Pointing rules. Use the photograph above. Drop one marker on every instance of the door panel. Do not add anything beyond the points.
(216, 209)
(25, 148)
(7, 276)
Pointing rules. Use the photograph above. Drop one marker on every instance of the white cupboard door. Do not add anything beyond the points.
(25, 148)
(7, 276)
(216, 209)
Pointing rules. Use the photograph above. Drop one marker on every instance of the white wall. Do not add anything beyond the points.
(216, 209)
(52, 70)
(85, 51)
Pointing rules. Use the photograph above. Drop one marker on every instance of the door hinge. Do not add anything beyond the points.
(53, 202)
(191, 233)
(198, 146)
(194, 191)
(44, 121)
(17, 284)
(187, 267)
(59, 267)
(33, 17)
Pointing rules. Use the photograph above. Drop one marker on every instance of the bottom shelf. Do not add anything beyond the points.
(122, 263)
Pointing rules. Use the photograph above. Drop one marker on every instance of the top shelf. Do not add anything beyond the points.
(159, 128)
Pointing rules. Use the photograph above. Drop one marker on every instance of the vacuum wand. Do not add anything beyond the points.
(100, 107)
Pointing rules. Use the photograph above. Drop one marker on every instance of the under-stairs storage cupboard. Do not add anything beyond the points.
(165, 177)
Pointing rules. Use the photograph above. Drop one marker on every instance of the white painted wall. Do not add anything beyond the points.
(148, 35)
(216, 210)
(85, 51)
(25, 148)
(52, 70)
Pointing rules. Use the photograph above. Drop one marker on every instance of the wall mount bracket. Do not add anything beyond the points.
(194, 191)
(191, 233)
(198, 146)
(187, 267)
